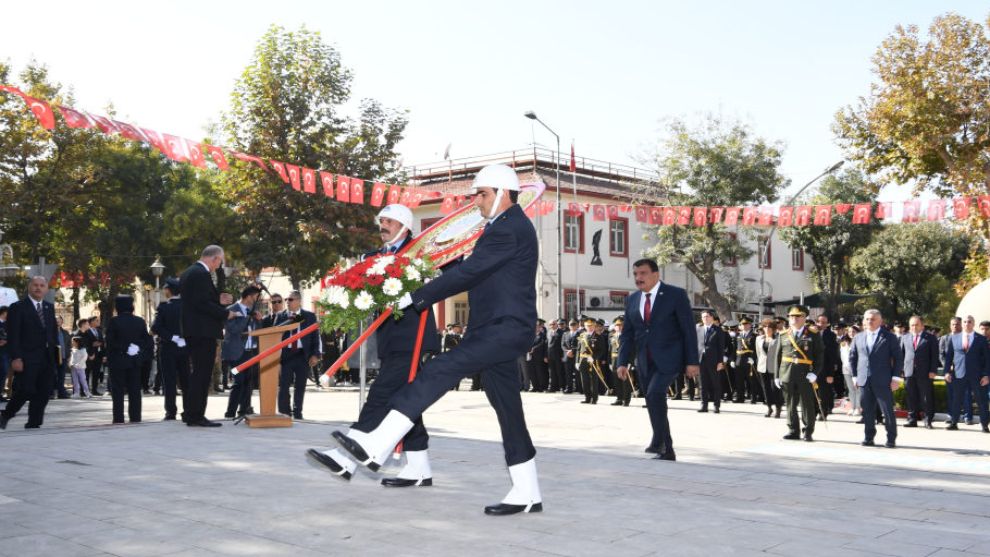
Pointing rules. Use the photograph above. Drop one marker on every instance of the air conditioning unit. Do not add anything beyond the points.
(598, 299)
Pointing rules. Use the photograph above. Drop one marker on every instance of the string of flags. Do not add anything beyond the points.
(348, 189)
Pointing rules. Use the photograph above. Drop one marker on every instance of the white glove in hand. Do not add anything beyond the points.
(405, 301)
(179, 341)
(811, 377)
(133, 349)
(777, 382)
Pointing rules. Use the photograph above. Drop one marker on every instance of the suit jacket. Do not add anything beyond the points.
(28, 338)
(539, 348)
(669, 337)
(832, 366)
(884, 361)
(122, 331)
(713, 347)
(235, 333)
(202, 313)
(499, 276)
(923, 359)
(310, 342)
(168, 321)
(555, 346)
(974, 361)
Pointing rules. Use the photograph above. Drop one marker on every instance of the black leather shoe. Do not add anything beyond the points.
(503, 509)
(807, 437)
(356, 451)
(669, 455)
(890, 444)
(703, 409)
(717, 410)
(678, 397)
(31, 426)
(792, 436)
(861, 421)
(203, 423)
(616, 403)
(297, 416)
(229, 415)
(585, 402)
(626, 403)
(768, 414)
(777, 414)
(402, 482)
(986, 429)
(169, 417)
(3, 421)
(928, 425)
(330, 463)
(652, 450)
(868, 443)
(952, 426)
(911, 424)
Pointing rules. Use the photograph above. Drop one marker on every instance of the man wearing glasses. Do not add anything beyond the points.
(297, 358)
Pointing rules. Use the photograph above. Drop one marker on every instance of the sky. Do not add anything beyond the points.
(605, 75)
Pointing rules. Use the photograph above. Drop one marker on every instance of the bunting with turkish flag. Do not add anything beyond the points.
(748, 216)
(642, 214)
(785, 216)
(885, 210)
(108, 127)
(912, 210)
(343, 189)
(154, 138)
(684, 216)
(326, 180)
(802, 215)
(357, 191)
(251, 159)
(573, 209)
(279, 167)
(936, 209)
(715, 214)
(613, 211)
(983, 204)
(960, 207)
(700, 217)
(447, 206)
(175, 147)
(394, 194)
(861, 213)
(732, 216)
(765, 216)
(130, 132)
(842, 208)
(216, 153)
(293, 171)
(41, 110)
(669, 216)
(195, 152)
(823, 215)
(377, 194)
(598, 212)
(75, 119)
(309, 180)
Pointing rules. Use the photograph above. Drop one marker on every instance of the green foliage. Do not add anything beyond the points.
(941, 396)
(717, 164)
(830, 247)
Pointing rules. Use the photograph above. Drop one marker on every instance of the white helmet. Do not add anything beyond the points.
(496, 176)
(396, 212)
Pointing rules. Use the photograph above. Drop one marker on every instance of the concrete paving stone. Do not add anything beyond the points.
(888, 546)
(980, 548)
(44, 545)
(932, 537)
(132, 543)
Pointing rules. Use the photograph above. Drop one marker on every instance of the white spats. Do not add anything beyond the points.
(525, 486)
(380, 442)
(342, 459)
(417, 466)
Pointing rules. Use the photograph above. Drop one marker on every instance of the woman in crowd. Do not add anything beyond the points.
(774, 397)
(845, 342)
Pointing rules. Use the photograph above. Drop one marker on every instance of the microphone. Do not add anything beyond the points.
(295, 319)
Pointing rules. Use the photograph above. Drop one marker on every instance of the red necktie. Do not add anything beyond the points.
(646, 309)
(965, 342)
(916, 341)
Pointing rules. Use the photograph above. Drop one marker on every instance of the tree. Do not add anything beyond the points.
(830, 247)
(910, 267)
(287, 106)
(927, 118)
(717, 164)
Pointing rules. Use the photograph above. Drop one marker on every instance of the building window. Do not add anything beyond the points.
(461, 313)
(618, 237)
(797, 259)
(730, 261)
(570, 304)
(617, 298)
(764, 256)
(574, 233)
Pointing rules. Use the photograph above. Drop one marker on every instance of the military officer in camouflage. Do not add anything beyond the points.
(797, 359)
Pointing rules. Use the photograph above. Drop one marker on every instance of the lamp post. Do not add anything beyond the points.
(157, 268)
(766, 248)
(560, 234)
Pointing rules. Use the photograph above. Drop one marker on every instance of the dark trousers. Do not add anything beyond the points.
(571, 373)
(126, 379)
(711, 386)
(239, 397)
(740, 378)
(59, 383)
(878, 394)
(94, 372)
(827, 396)
(681, 383)
(623, 389)
(656, 404)
(202, 355)
(800, 391)
(920, 397)
(491, 350)
(294, 373)
(33, 387)
(393, 375)
(589, 381)
(538, 374)
(961, 398)
(555, 367)
(173, 368)
(146, 375)
(772, 395)
(756, 392)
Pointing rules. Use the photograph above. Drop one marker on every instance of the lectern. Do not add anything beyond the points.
(268, 372)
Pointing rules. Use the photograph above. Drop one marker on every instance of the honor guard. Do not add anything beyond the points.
(591, 352)
(745, 364)
(623, 388)
(799, 358)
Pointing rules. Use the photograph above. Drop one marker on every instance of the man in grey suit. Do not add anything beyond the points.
(239, 347)
(877, 362)
(921, 359)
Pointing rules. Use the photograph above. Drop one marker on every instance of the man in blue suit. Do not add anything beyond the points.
(239, 347)
(877, 362)
(297, 358)
(500, 278)
(173, 358)
(967, 362)
(660, 331)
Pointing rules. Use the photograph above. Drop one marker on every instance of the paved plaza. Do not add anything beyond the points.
(80, 487)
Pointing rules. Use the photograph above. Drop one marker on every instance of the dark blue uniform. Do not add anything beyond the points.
(500, 278)
(295, 365)
(173, 360)
(125, 369)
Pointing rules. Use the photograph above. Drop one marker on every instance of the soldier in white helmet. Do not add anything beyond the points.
(500, 278)
(395, 339)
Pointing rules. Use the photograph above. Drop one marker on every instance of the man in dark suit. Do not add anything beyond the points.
(62, 358)
(967, 357)
(659, 329)
(712, 355)
(203, 316)
(173, 357)
(555, 356)
(32, 340)
(500, 277)
(238, 347)
(128, 346)
(4, 360)
(569, 344)
(536, 359)
(831, 367)
(297, 358)
(877, 363)
(97, 354)
(920, 349)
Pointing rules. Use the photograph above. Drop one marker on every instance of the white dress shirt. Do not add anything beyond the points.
(653, 300)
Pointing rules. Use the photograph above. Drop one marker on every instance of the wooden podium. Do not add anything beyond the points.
(268, 372)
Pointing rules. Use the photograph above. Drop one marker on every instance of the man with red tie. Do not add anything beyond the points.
(921, 362)
(659, 330)
(967, 362)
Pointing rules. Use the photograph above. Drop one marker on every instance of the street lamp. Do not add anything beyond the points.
(157, 268)
(766, 248)
(7, 268)
(560, 234)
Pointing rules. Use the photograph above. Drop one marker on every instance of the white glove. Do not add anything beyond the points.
(405, 301)
(133, 349)
(811, 377)
(179, 341)
(776, 381)
(325, 380)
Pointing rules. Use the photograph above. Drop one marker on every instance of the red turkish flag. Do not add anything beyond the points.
(41, 110)
(669, 216)
(715, 214)
(406, 197)
(464, 201)
(447, 206)
(802, 215)
(343, 189)
(885, 210)
(129, 131)
(175, 147)
(936, 209)
(960, 208)
(309, 180)
(216, 153)
(417, 197)
(655, 216)
(613, 211)
(378, 194)
(394, 194)
(765, 216)
(700, 217)
(572, 210)
(573, 166)
(294, 177)
(357, 191)
(732, 216)
(749, 216)
(684, 216)
(195, 151)
(154, 138)
(785, 216)
(530, 211)
(326, 180)
(842, 208)
(108, 127)
(912, 209)
(823, 215)
(642, 214)
(74, 118)
(247, 158)
(599, 212)
(861, 213)
(279, 167)
(983, 203)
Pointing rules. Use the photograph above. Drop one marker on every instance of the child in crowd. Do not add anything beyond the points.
(77, 363)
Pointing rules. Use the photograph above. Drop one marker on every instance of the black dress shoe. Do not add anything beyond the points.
(203, 423)
(911, 424)
(669, 455)
(928, 425)
(230, 415)
(652, 450)
(971, 421)
(169, 417)
(594, 401)
(585, 402)
(807, 437)
(402, 482)
(868, 443)
(717, 410)
(952, 426)
(768, 414)
(861, 421)
(297, 416)
(777, 415)
(890, 444)
(792, 436)
(356, 451)
(32, 426)
(330, 463)
(986, 429)
(3, 421)
(616, 403)
(678, 397)
(503, 509)
(626, 403)
(703, 409)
